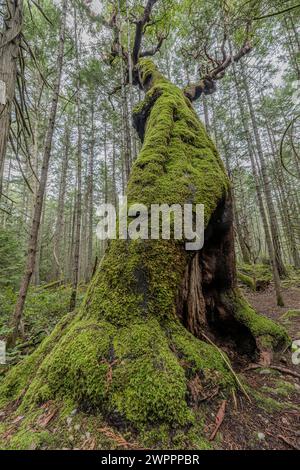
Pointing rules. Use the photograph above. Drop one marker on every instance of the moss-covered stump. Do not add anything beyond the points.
(135, 352)
(255, 276)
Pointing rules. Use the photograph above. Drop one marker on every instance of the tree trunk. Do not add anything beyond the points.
(90, 191)
(262, 211)
(79, 184)
(58, 267)
(137, 348)
(206, 114)
(9, 52)
(34, 232)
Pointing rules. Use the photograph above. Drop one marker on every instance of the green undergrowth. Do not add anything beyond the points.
(255, 276)
(293, 279)
(44, 308)
(256, 271)
(281, 388)
(269, 404)
(252, 274)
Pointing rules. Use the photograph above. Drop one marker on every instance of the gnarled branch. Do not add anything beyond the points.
(207, 84)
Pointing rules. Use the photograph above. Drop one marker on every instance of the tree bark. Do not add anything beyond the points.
(269, 242)
(58, 269)
(79, 182)
(9, 53)
(266, 184)
(90, 190)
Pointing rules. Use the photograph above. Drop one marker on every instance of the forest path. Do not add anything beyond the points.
(272, 421)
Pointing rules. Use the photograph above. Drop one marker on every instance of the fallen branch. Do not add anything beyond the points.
(284, 370)
(227, 362)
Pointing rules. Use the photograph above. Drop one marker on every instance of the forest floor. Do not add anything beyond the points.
(269, 420)
(272, 419)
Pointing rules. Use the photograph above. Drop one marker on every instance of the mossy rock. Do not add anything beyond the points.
(255, 276)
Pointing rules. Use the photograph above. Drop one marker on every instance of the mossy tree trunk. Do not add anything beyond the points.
(30, 263)
(135, 350)
(9, 53)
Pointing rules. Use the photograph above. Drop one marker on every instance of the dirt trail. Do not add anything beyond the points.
(274, 421)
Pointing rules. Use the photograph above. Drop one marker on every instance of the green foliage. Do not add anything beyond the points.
(281, 388)
(125, 353)
(44, 308)
(11, 258)
(290, 314)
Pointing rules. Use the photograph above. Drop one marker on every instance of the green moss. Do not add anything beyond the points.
(30, 440)
(267, 333)
(176, 148)
(200, 356)
(77, 366)
(247, 280)
(281, 388)
(22, 433)
(125, 354)
(149, 384)
(17, 379)
(270, 404)
(261, 272)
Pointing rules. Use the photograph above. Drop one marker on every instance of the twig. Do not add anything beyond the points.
(269, 15)
(284, 439)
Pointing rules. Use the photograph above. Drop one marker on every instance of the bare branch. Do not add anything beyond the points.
(206, 84)
(139, 30)
(155, 49)
(256, 18)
